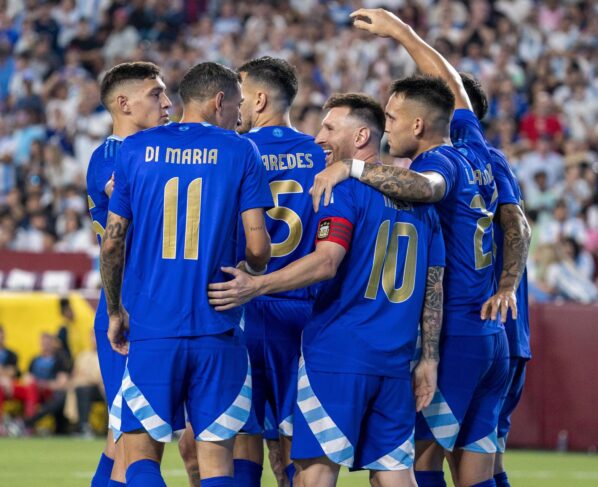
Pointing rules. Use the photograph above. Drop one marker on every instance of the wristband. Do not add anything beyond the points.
(252, 271)
(357, 166)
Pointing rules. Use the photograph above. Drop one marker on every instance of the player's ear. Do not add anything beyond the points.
(261, 100)
(122, 103)
(362, 137)
(418, 127)
(218, 100)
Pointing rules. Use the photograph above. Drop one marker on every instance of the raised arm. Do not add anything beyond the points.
(395, 182)
(320, 265)
(425, 374)
(258, 248)
(516, 240)
(112, 262)
(429, 61)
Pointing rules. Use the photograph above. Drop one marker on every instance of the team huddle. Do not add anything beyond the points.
(263, 284)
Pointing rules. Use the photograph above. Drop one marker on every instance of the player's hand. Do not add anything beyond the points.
(118, 326)
(378, 21)
(324, 181)
(502, 301)
(425, 376)
(109, 186)
(230, 294)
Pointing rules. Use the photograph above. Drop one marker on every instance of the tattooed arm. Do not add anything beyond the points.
(516, 240)
(395, 182)
(425, 374)
(112, 261)
(258, 249)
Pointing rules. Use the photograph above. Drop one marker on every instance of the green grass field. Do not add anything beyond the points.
(52, 462)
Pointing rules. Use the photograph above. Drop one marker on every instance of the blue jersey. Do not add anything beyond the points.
(183, 187)
(291, 159)
(517, 330)
(365, 320)
(466, 212)
(100, 170)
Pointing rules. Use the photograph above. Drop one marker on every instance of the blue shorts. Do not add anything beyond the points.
(514, 391)
(210, 376)
(359, 421)
(272, 332)
(112, 367)
(472, 385)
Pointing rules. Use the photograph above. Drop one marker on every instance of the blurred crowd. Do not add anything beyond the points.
(537, 59)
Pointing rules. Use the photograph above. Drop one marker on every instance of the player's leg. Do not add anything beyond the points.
(248, 460)
(429, 458)
(219, 403)
(188, 452)
(143, 456)
(277, 464)
(403, 478)
(516, 382)
(478, 436)
(318, 472)
(289, 469)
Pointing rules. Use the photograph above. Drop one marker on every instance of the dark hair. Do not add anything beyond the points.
(428, 90)
(124, 73)
(361, 106)
(204, 80)
(275, 73)
(476, 95)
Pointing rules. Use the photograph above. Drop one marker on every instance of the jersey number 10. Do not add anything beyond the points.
(386, 262)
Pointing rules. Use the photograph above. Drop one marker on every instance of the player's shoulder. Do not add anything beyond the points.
(465, 115)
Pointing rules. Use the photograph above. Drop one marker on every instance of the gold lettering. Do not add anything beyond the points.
(291, 161)
(196, 156)
(273, 163)
(149, 154)
(186, 156)
(173, 156)
(213, 156)
(281, 161)
(266, 162)
(310, 163)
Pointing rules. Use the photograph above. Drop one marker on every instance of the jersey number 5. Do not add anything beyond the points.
(386, 262)
(193, 216)
(282, 213)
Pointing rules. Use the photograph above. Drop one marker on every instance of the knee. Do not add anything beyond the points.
(188, 451)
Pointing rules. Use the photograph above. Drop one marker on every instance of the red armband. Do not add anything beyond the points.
(335, 229)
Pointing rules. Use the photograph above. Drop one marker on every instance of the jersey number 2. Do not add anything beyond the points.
(386, 262)
(193, 216)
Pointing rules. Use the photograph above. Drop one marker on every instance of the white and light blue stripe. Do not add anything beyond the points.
(115, 415)
(285, 428)
(155, 426)
(441, 421)
(334, 443)
(229, 423)
(488, 444)
(401, 458)
(501, 443)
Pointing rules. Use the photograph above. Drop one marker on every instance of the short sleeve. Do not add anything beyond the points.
(466, 129)
(435, 162)
(120, 201)
(336, 221)
(506, 183)
(436, 251)
(255, 190)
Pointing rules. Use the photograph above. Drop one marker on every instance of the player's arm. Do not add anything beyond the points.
(425, 374)
(258, 248)
(395, 182)
(320, 265)
(429, 61)
(516, 240)
(112, 262)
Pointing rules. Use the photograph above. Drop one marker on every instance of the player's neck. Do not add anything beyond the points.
(122, 129)
(273, 120)
(428, 145)
(368, 154)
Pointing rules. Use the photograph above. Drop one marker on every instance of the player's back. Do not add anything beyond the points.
(517, 329)
(291, 160)
(365, 319)
(183, 185)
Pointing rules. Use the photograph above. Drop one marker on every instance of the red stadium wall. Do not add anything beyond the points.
(561, 391)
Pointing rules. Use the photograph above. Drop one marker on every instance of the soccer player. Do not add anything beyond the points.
(274, 323)
(380, 266)
(181, 188)
(473, 367)
(512, 235)
(135, 96)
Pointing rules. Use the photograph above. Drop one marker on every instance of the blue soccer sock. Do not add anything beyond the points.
(290, 472)
(430, 479)
(218, 482)
(103, 472)
(144, 473)
(116, 483)
(247, 474)
(502, 480)
(486, 483)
